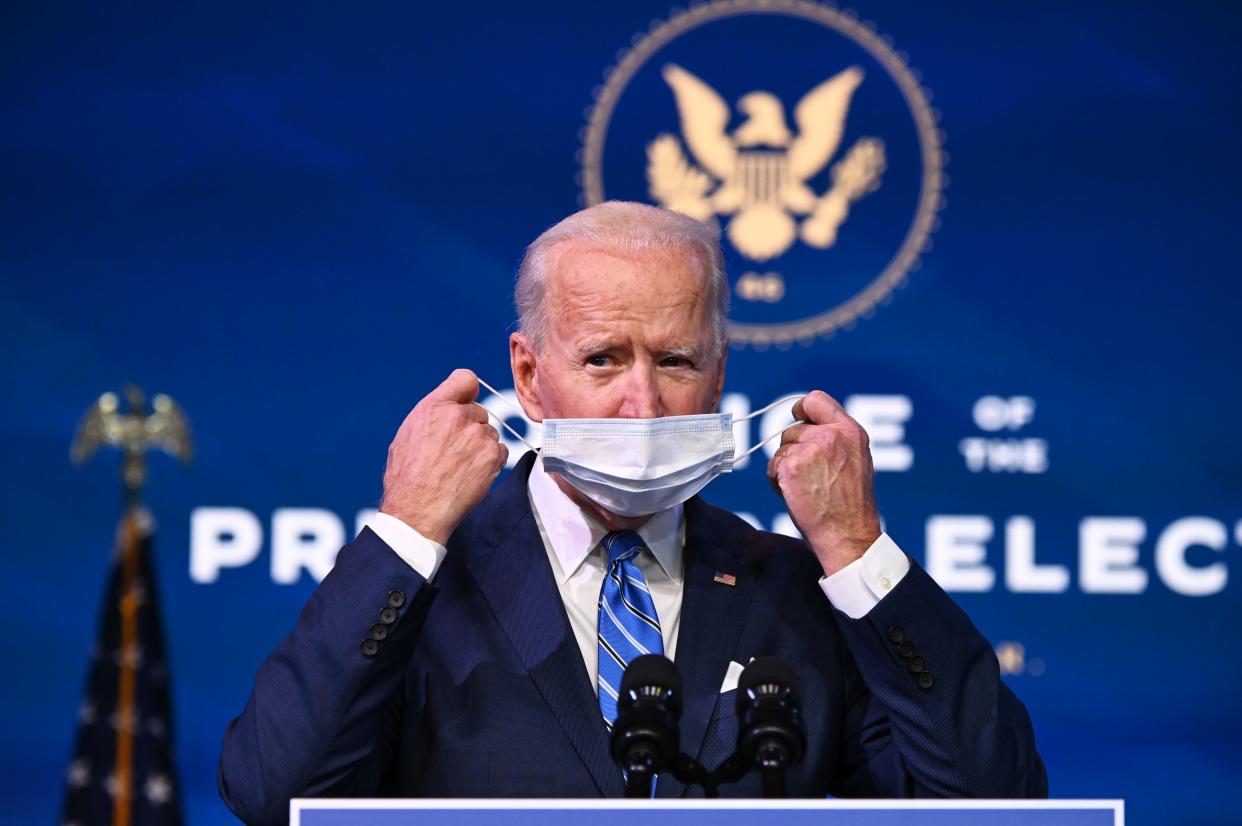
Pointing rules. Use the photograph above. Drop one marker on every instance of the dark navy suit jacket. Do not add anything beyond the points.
(473, 685)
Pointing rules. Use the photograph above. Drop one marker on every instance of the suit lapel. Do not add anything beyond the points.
(712, 617)
(513, 574)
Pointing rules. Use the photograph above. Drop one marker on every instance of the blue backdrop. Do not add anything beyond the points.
(297, 220)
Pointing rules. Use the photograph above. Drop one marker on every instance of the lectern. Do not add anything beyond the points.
(707, 812)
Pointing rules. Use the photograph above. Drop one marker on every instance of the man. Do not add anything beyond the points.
(468, 643)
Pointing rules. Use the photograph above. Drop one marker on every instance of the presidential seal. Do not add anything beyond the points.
(796, 129)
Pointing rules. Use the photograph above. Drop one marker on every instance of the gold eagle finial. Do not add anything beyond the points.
(134, 432)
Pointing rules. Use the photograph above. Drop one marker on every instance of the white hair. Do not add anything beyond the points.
(627, 226)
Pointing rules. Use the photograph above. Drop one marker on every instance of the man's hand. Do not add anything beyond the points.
(443, 459)
(823, 471)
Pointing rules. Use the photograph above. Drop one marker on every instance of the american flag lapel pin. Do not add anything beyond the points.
(725, 579)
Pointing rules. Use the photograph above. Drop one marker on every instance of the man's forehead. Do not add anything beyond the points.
(593, 281)
(583, 264)
(675, 342)
(603, 297)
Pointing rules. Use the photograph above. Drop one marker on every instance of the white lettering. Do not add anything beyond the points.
(1022, 575)
(1034, 455)
(222, 538)
(1108, 553)
(304, 538)
(1171, 562)
(975, 449)
(956, 549)
(884, 418)
(1021, 411)
(1004, 455)
(992, 413)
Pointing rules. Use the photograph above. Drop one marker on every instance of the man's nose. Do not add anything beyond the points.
(641, 399)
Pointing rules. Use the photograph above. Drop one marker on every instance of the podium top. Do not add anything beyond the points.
(399, 812)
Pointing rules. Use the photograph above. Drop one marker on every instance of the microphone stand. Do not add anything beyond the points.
(771, 770)
(638, 784)
(644, 739)
(686, 769)
(772, 774)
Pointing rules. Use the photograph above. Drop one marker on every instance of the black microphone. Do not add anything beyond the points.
(645, 738)
(770, 737)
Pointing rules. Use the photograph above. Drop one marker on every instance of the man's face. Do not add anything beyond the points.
(628, 337)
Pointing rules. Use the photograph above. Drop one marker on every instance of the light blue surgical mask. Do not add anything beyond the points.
(637, 467)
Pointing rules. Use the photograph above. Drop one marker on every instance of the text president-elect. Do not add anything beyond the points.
(468, 643)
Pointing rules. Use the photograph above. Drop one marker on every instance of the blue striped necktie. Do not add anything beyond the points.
(628, 625)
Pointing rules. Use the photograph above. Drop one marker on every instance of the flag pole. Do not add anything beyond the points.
(134, 431)
(126, 677)
(133, 475)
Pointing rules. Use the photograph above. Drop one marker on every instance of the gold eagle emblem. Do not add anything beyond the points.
(759, 174)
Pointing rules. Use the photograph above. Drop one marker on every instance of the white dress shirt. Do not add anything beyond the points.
(571, 539)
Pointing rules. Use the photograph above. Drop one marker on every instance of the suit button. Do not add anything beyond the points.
(379, 632)
(388, 616)
(897, 634)
(906, 649)
(915, 664)
(396, 599)
(926, 680)
(369, 648)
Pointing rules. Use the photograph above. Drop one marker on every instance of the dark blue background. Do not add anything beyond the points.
(296, 220)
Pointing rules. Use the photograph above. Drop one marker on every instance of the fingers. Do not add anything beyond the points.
(774, 465)
(818, 407)
(462, 387)
(793, 433)
(492, 453)
(780, 455)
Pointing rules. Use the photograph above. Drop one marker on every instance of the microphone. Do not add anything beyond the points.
(770, 735)
(645, 738)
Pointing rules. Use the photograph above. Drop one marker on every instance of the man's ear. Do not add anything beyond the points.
(523, 361)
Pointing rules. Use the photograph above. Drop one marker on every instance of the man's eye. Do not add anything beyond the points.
(598, 361)
(675, 361)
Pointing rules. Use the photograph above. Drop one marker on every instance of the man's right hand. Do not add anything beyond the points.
(443, 459)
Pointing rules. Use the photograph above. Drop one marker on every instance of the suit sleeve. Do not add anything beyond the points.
(927, 714)
(320, 720)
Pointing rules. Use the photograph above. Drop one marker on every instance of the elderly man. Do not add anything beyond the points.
(468, 643)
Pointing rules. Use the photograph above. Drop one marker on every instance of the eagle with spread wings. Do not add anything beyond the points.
(759, 174)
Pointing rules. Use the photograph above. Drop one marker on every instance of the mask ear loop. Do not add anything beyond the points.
(501, 421)
(759, 412)
(763, 410)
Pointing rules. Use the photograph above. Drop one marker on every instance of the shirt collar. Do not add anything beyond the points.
(574, 534)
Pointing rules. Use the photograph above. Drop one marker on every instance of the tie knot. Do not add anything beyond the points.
(622, 546)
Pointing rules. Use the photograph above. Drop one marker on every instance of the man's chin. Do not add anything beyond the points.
(608, 519)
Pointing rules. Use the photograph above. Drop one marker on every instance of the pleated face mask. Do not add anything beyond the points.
(637, 467)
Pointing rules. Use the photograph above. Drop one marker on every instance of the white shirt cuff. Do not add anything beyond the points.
(858, 587)
(419, 552)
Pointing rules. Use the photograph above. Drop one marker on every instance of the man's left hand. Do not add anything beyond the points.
(823, 471)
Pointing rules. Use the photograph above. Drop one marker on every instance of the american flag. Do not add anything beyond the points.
(122, 771)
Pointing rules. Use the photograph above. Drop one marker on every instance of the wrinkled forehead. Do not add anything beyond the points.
(584, 274)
